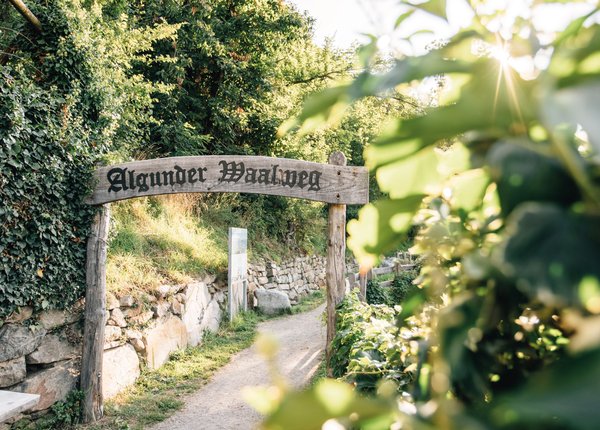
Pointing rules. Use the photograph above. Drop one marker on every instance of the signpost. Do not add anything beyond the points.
(333, 183)
(237, 276)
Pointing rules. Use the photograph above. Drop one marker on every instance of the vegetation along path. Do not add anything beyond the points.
(219, 404)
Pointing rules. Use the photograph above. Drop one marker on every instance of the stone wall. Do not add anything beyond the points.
(295, 277)
(42, 353)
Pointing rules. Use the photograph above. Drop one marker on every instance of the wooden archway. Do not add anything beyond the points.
(334, 183)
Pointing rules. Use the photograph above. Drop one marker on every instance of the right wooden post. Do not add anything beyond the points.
(336, 264)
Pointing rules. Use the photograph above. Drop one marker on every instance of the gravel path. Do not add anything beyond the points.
(219, 405)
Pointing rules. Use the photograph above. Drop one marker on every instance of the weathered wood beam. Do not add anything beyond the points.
(336, 264)
(27, 14)
(95, 310)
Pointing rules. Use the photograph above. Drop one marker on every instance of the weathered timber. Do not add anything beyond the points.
(362, 286)
(334, 184)
(378, 271)
(336, 265)
(95, 309)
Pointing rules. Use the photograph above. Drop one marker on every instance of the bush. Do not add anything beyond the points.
(403, 284)
(370, 346)
(376, 294)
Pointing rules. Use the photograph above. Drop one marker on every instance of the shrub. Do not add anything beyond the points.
(370, 346)
(376, 294)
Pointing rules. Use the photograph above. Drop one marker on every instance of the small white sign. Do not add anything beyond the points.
(238, 271)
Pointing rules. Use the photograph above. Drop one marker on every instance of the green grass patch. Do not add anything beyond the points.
(309, 302)
(177, 238)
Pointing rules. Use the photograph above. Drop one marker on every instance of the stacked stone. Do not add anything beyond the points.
(149, 329)
(41, 353)
(294, 277)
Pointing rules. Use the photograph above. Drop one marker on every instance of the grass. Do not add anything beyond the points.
(158, 394)
(177, 238)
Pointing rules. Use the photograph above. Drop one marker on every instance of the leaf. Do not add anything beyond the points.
(564, 395)
(468, 189)
(403, 18)
(549, 251)
(576, 105)
(416, 174)
(319, 109)
(328, 399)
(434, 7)
(379, 226)
(524, 175)
(573, 28)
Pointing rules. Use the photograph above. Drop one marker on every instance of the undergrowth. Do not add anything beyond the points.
(177, 238)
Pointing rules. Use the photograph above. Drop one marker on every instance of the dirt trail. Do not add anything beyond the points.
(219, 405)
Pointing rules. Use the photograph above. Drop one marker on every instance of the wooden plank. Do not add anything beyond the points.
(333, 184)
(336, 264)
(386, 283)
(95, 310)
(378, 271)
(13, 403)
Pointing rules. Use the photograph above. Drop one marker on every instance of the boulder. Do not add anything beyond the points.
(197, 299)
(53, 348)
(120, 368)
(52, 384)
(111, 302)
(20, 315)
(118, 318)
(12, 372)
(127, 301)
(53, 318)
(17, 341)
(112, 333)
(166, 336)
(272, 302)
(212, 317)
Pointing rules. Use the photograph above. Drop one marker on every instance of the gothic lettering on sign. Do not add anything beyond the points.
(122, 179)
(231, 172)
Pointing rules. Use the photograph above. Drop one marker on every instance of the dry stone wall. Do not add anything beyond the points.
(41, 353)
(295, 277)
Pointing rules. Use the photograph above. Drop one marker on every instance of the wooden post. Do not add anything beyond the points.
(362, 285)
(336, 265)
(95, 310)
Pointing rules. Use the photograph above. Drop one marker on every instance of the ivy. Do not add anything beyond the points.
(61, 111)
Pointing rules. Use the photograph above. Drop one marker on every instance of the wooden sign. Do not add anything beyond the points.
(228, 173)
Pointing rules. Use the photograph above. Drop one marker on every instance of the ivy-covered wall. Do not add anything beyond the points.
(61, 108)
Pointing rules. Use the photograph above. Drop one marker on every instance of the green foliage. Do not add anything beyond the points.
(508, 216)
(68, 95)
(376, 294)
(402, 286)
(369, 347)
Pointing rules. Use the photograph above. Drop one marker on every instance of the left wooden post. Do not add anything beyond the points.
(95, 311)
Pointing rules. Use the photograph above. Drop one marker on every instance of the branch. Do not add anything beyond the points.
(322, 76)
(29, 16)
